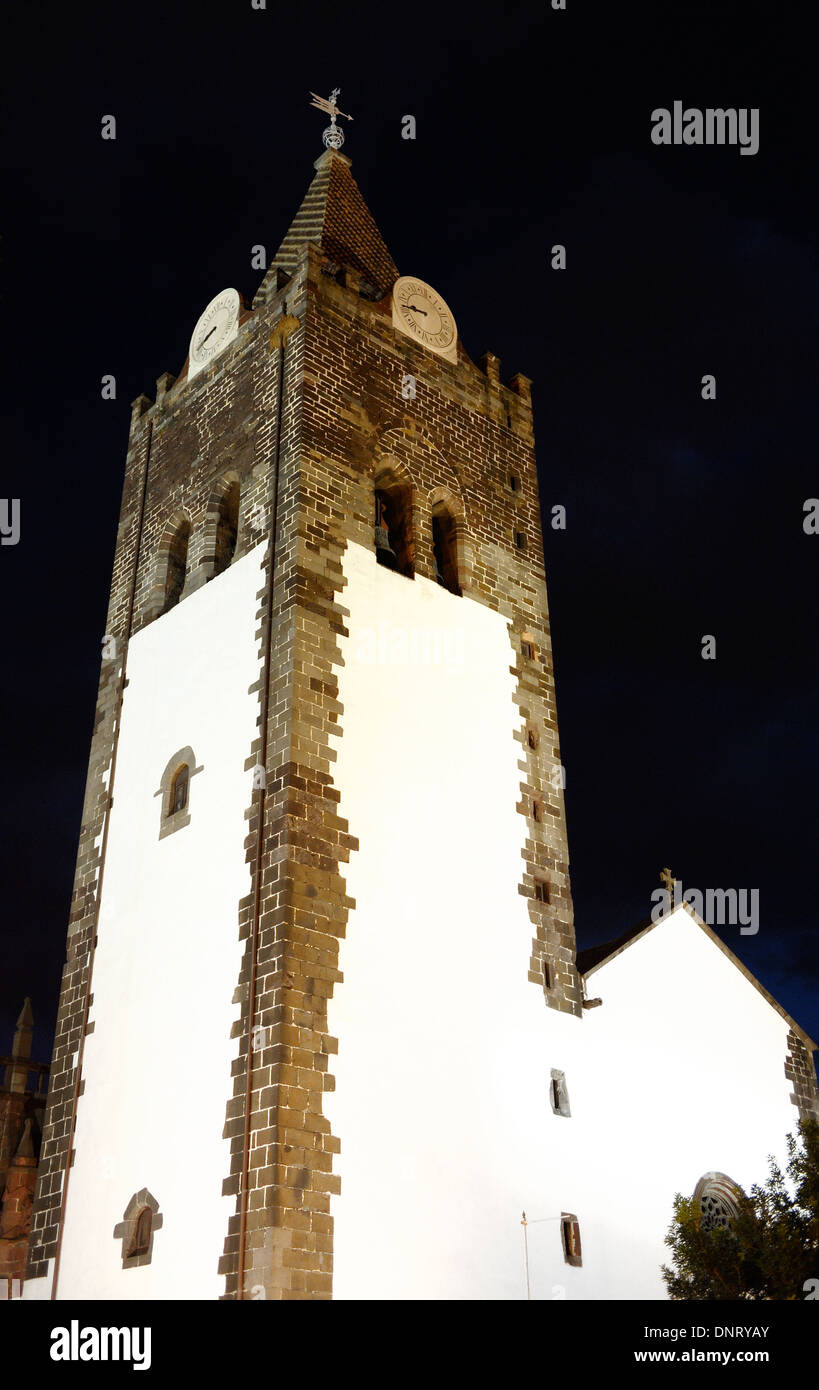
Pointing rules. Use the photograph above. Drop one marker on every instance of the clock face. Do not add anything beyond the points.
(419, 311)
(215, 329)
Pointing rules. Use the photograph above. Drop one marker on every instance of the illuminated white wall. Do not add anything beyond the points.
(157, 1065)
(446, 1049)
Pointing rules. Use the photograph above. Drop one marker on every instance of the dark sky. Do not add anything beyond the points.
(684, 516)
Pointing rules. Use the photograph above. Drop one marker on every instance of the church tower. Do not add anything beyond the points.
(321, 931)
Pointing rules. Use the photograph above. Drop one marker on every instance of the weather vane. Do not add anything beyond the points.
(333, 136)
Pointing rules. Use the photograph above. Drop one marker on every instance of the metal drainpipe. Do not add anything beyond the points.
(108, 805)
(254, 942)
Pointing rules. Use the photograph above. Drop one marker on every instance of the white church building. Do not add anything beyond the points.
(323, 1029)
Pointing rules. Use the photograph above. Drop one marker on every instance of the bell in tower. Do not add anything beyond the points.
(385, 553)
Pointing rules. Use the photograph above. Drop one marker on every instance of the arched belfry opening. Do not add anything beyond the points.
(445, 548)
(177, 565)
(227, 528)
(394, 543)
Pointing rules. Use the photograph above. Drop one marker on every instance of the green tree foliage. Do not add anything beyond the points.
(769, 1250)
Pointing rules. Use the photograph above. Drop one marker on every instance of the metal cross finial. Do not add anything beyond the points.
(668, 881)
(333, 136)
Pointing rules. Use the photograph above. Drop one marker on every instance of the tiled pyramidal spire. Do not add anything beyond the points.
(335, 218)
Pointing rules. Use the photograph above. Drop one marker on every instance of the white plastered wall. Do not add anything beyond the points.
(446, 1048)
(682, 1073)
(157, 1065)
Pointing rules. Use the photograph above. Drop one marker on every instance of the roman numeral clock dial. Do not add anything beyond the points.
(420, 312)
(215, 329)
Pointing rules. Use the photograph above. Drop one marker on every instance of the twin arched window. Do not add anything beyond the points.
(224, 549)
(394, 541)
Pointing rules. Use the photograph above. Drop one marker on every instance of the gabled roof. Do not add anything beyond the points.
(597, 956)
(335, 217)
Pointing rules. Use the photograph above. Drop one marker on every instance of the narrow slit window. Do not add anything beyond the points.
(570, 1231)
(514, 483)
(559, 1094)
(537, 810)
(532, 738)
(542, 890)
(527, 646)
(520, 540)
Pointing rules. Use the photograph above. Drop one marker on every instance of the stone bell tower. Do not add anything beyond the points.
(321, 915)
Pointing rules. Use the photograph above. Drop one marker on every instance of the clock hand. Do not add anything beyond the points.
(414, 310)
(205, 339)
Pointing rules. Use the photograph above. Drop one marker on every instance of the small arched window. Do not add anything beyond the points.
(177, 565)
(445, 548)
(179, 790)
(141, 1240)
(393, 527)
(138, 1228)
(174, 791)
(227, 529)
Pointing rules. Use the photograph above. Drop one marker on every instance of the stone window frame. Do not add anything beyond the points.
(155, 604)
(719, 1189)
(570, 1239)
(559, 1094)
(391, 477)
(528, 641)
(125, 1230)
(169, 821)
(206, 570)
(442, 498)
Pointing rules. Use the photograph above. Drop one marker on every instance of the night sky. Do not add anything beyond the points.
(684, 516)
